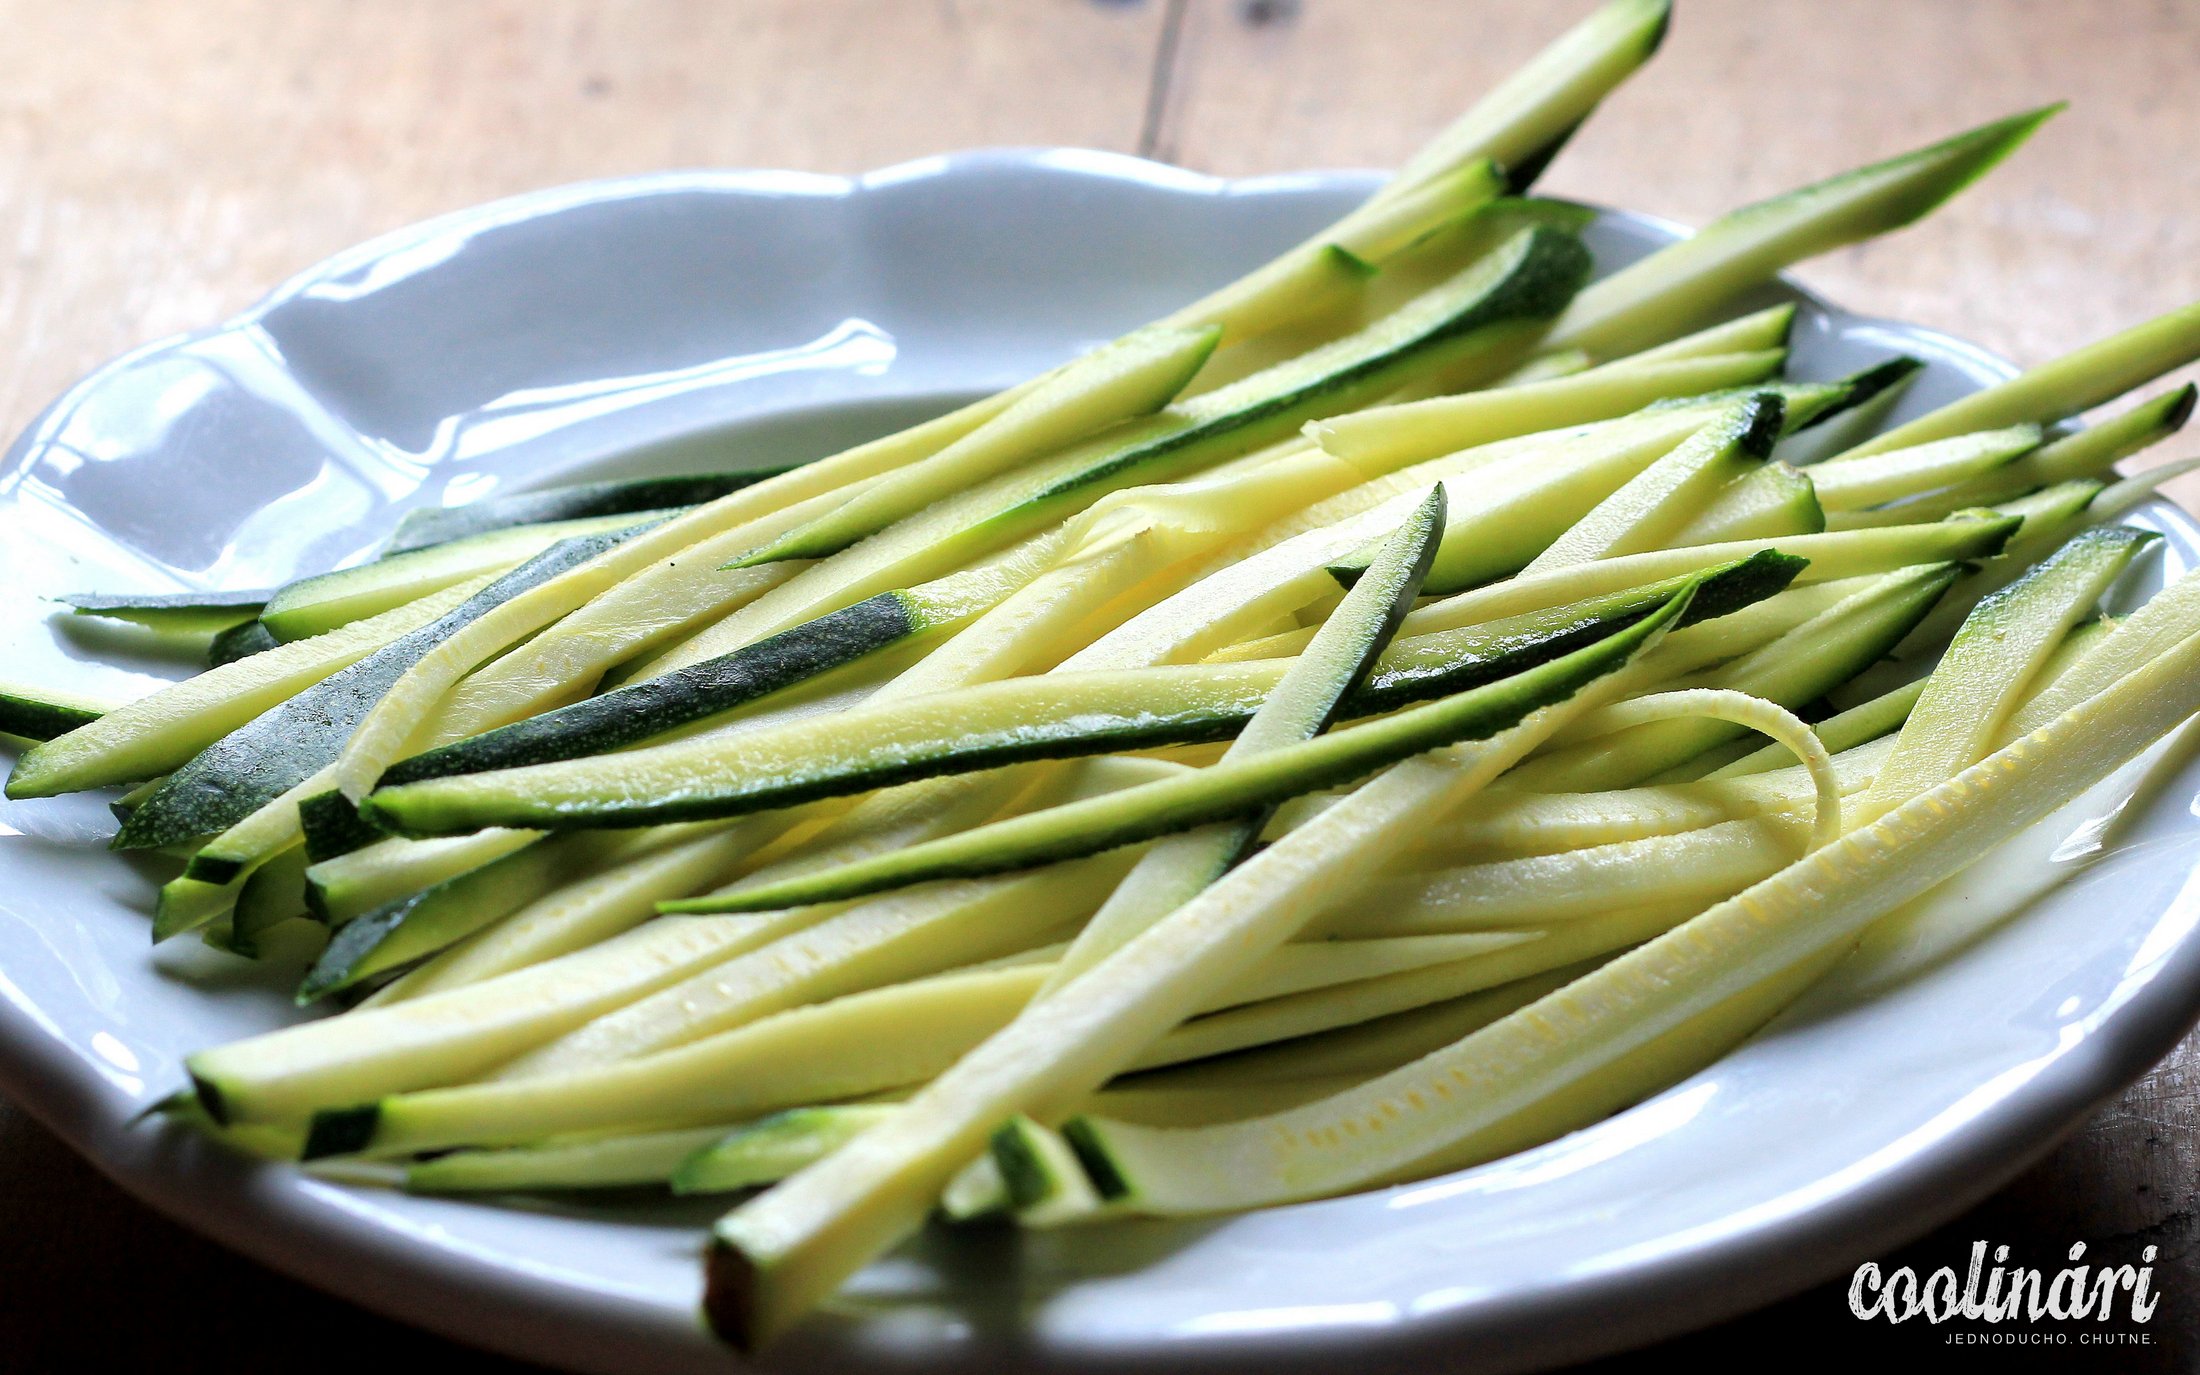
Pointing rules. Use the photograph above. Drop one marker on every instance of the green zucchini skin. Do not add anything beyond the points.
(332, 827)
(1546, 266)
(401, 809)
(640, 711)
(35, 714)
(1219, 793)
(1551, 267)
(432, 525)
(179, 613)
(259, 761)
(240, 641)
(1417, 670)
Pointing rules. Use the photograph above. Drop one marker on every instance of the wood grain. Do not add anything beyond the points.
(162, 165)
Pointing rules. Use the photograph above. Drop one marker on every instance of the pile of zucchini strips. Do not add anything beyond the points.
(1405, 706)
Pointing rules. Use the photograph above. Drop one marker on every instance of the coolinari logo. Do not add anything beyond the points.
(2078, 1292)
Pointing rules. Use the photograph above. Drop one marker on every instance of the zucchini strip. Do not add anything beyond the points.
(826, 1050)
(1641, 305)
(1650, 508)
(612, 1162)
(1850, 482)
(1506, 1085)
(1698, 867)
(1228, 789)
(774, 1258)
(1993, 659)
(2088, 453)
(36, 713)
(1383, 439)
(1775, 501)
(424, 526)
(668, 702)
(1510, 823)
(2078, 381)
(1305, 702)
(1522, 123)
(1132, 377)
(1833, 555)
(258, 762)
(1799, 667)
(285, 1075)
(1483, 309)
(170, 613)
(321, 603)
(1051, 715)
(162, 731)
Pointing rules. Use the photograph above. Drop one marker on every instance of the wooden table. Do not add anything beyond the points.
(163, 164)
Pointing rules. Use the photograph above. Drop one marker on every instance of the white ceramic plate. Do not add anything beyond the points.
(672, 321)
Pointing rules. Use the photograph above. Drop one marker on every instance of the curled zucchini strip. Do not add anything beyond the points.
(1766, 718)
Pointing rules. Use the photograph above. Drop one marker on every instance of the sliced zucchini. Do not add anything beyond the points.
(285, 1075)
(660, 705)
(1651, 507)
(2090, 453)
(159, 732)
(1799, 667)
(1306, 700)
(313, 605)
(1579, 1053)
(171, 613)
(1521, 124)
(2075, 382)
(37, 713)
(1834, 555)
(274, 894)
(277, 750)
(1850, 482)
(860, 750)
(1774, 501)
(817, 1052)
(1485, 309)
(609, 1162)
(1992, 660)
(1133, 377)
(771, 1148)
(1641, 305)
(431, 525)
(1229, 789)
(1383, 439)
(775, 1257)
(1865, 722)
(361, 880)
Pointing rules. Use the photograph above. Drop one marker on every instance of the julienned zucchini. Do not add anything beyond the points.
(313, 605)
(424, 526)
(34, 713)
(1488, 307)
(1121, 382)
(1641, 305)
(1594, 1045)
(1046, 716)
(164, 729)
(774, 1258)
(1992, 659)
(1650, 508)
(1225, 790)
(657, 706)
(256, 763)
(1798, 668)
(172, 613)
(1305, 701)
